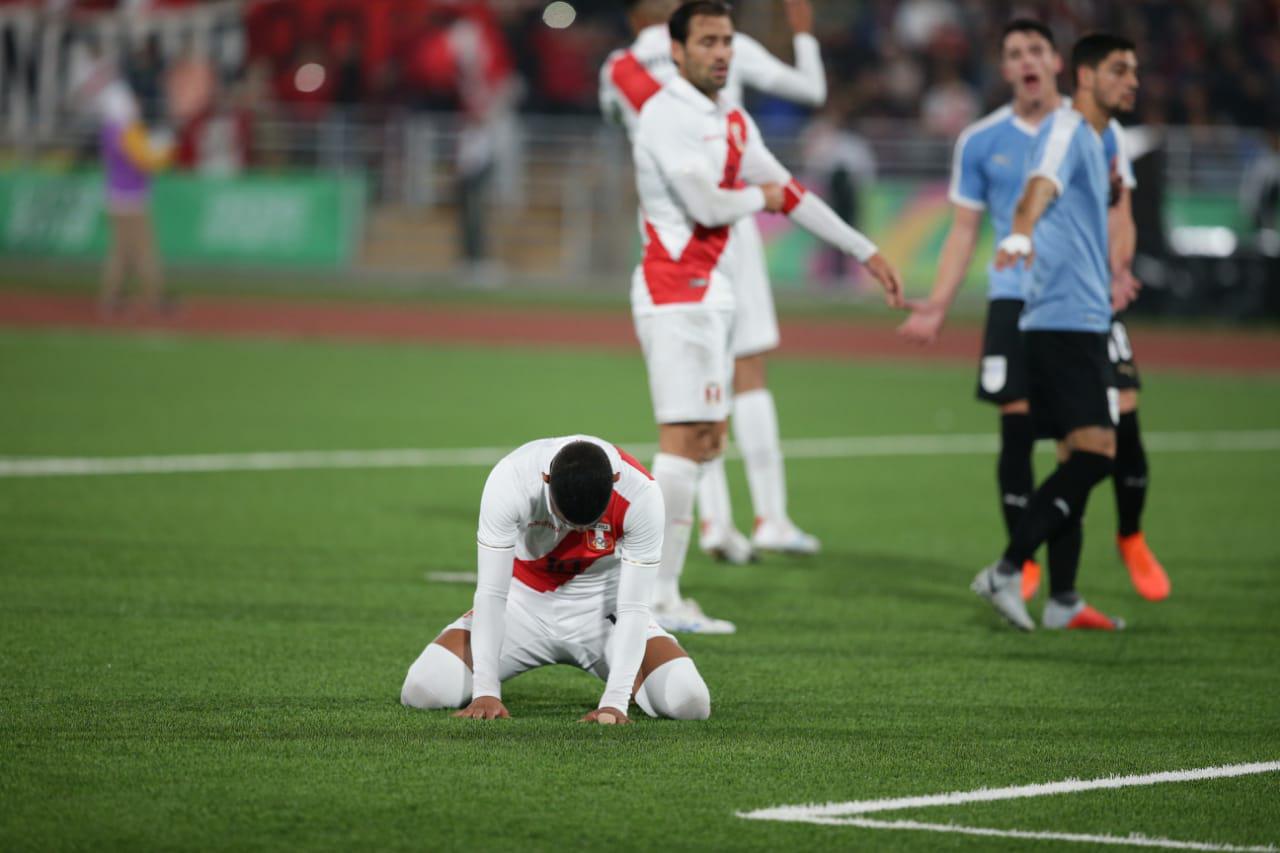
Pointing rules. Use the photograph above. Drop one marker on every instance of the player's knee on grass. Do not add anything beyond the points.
(676, 691)
(437, 679)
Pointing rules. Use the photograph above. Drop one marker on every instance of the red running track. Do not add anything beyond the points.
(858, 339)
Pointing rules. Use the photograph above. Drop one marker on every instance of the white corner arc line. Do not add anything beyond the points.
(848, 447)
(982, 795)
(1135, 840)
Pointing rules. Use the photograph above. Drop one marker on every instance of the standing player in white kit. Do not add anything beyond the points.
(700, 167)
(628, 79)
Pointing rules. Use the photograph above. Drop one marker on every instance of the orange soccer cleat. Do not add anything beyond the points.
(1078, 617)
(1030, 579)
(1148, 576)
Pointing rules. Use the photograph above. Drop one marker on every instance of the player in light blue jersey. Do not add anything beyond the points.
(988, 175)
(1060, 234)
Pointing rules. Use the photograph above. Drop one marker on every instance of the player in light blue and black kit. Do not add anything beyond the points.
(988, 176)
(1059, 233)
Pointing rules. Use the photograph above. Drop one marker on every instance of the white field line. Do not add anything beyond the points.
(843, 814)
(804, 448)
(1123, 840)
(986, 795)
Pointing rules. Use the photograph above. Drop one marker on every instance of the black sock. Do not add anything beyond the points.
(1059, 498)
(1130, 476)
(1064, 558)
(1013, 468)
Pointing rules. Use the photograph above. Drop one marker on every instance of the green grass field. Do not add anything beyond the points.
(213, 660)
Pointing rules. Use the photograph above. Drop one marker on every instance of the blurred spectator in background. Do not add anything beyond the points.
(1260, 191)
(840, 164)
(129, 157)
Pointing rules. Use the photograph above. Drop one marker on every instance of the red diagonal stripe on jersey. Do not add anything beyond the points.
(632, 461)
(686, 280)
(633, 80)
(574, 554)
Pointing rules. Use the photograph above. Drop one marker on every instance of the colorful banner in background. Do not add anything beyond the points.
(908, 221)
(302, 220)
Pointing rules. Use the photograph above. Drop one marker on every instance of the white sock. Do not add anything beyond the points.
(437, 679)
(715, 509)
(755, 428)
(676, 691)
(678, 479)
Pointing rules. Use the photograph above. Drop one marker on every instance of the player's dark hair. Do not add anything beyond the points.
(1026, 25)
(678, 26)
(581, 482)
(1092, 49)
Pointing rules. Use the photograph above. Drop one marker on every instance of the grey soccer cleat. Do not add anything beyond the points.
(1004, 592)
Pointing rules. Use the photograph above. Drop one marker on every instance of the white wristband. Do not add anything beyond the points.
(1016, 244)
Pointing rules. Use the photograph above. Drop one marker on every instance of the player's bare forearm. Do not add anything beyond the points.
(1122, 233)
(1036, 198)
(1017, 248)
(927, 315)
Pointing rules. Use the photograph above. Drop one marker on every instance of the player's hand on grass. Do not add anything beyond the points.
(1014, 248)
(1124, 290)
(484, 708)
(606, 717)
(799, 15)
(774, 197)
(885, 273)
(925, 322)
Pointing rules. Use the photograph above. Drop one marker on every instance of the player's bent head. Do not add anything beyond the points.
(1094, 50)
(681, 22)
(581, 482)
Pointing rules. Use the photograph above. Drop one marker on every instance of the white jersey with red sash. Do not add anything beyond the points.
(556, 560)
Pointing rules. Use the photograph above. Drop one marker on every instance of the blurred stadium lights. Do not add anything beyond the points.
(559, 15)
(1212, 241)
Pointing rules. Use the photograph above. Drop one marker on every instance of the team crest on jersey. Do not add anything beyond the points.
(600, 537)
(713, 393)
(737, 132)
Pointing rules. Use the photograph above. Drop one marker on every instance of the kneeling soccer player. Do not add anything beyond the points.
(578, 523)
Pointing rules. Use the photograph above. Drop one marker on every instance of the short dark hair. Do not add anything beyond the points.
(1092, 49)
(678, 26)
(1026, 25)
(581, 482)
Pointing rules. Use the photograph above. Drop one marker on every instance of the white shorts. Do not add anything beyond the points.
(541, 633)
(755, 321)
(686, 351)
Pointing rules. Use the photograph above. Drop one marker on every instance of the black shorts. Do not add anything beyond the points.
(1124, 373)
(1002, 373)
(1068, 376)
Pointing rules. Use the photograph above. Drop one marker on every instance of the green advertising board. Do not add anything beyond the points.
(287, 220)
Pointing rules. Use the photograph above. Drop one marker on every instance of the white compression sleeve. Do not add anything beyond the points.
(626, 645)
(813, 215)
(489, 621)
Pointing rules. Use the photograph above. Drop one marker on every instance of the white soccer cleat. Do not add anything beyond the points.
(686, 617)
(727, 545)
(1004, 592)
(784, 538)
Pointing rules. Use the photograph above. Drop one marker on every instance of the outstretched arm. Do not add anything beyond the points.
(813, 214)
(927, 315)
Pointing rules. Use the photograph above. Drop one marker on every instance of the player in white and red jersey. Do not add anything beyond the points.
(628, 79)
(568, 546)
(701, 166)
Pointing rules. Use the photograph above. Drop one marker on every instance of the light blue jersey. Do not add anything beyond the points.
(988, 173)
(1069, 288)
